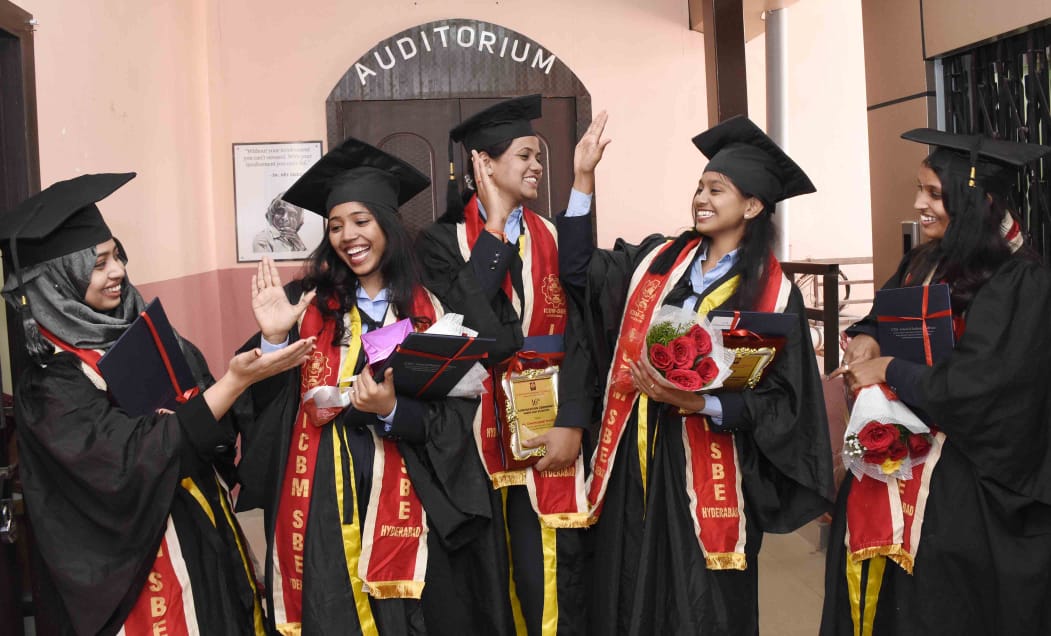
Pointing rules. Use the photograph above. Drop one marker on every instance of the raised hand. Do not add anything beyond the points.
(497, 203)
(588, 154)
(273, 313)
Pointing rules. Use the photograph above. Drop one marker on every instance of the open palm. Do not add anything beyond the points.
(274, 314)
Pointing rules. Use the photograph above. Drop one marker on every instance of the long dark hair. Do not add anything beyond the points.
(972, 248)
(456, 199)
(333, 279)
(752, 256)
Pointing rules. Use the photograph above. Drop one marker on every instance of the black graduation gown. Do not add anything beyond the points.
(649, 571)
(473, 288)
(99, 487)
(435, 440)
(983, 565)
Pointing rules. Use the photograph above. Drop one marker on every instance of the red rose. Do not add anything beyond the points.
(898, 450)
(877, 436)
(683, 351)
(919, 444)
(661, 357)
(701, 340)
(707, 370)
(685, 379)
(875, 457)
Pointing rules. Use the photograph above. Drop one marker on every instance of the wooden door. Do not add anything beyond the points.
(417, 131)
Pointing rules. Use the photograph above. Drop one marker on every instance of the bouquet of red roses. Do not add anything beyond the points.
(884, 439)
(686, 350)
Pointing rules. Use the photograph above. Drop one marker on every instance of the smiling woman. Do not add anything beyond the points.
(130, 514)
(364, 501)
(684, 484)
(495, 261)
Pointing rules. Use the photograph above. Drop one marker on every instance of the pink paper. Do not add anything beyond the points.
(382, 342)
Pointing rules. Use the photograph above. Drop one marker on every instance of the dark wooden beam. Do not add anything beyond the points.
(724, 59)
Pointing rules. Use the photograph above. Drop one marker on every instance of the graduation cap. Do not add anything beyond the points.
(507, 120)
(356, 171)
(742, 151)
(987, 158)
(59, 220)
(500, 122)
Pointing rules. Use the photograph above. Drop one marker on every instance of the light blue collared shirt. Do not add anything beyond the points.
(513, 225)
(580, 204)
(376, 308)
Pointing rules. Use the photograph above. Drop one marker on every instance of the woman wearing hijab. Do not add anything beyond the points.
(356, 504)
(131, 514)
(964, 547)
(684, 484)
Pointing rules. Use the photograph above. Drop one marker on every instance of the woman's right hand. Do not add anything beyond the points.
(497, 203)
(861, 348)
(273, 313)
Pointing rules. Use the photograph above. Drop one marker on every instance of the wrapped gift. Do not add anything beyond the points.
(915, 323)
(755, 338)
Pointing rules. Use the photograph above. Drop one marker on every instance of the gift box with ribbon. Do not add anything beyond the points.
(915, 323)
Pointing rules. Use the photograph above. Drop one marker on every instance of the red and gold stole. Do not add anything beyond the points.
(557, 496)
(713, 479)
(398, 542)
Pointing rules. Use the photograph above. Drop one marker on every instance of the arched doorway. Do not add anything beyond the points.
(406, 92)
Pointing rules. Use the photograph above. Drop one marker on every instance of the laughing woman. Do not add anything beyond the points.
(349, 536)
(494, 260)
(684, 485)
(131, 515)
(971, 552)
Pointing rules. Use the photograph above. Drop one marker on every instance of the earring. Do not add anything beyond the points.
(468, 181)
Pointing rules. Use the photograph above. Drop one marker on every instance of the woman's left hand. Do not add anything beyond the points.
(866, 372)
(563, 446)
(649, 381)
(588, 154)
(370, 396)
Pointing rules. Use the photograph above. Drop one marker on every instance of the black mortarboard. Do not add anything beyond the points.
(742, 151)
(507, 120)
(986, 158)
(59, 220)
(500, 122)
(356, 171)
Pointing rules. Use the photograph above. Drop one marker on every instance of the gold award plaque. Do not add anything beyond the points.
(532, 403)
(748, 367)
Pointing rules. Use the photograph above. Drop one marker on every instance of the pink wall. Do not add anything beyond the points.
(165, 89)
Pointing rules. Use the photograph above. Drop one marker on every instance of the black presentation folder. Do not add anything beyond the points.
(428, 366)
(133, 368)
(902, 325)
(764, 324)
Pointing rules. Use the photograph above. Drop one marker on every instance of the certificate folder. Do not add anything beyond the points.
(135, 370)
(755, 337)
(428, 366)
(915, 323)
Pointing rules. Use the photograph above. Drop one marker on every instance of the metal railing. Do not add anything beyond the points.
(826, 309)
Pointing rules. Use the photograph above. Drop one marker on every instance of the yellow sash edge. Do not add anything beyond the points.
(726, 561)
(396, 589)
(566, 520)
(508, 478)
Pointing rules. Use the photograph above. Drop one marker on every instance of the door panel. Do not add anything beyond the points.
(417, 131)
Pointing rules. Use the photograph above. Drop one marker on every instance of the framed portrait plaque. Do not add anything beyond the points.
(265, 224)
